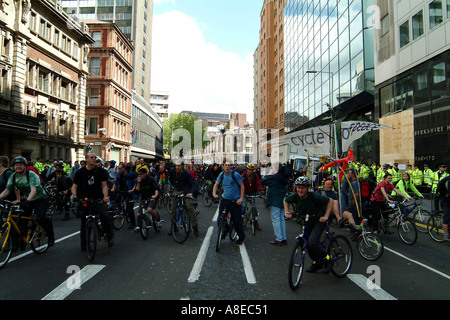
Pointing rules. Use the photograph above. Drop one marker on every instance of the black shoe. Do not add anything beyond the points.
(238, 242)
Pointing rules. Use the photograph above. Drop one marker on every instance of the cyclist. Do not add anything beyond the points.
(252, 185)
(405, 184)
(312, 204)
(379, 195)
(27, 184)
(232, 198)
(183, 183)
(211, 176)
(125, 182)
(91, 182)
(63, 190)
(147, 186)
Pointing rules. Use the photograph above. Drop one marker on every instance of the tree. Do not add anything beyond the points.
(178, 122)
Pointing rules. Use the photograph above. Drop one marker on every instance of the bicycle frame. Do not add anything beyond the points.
(10, 222)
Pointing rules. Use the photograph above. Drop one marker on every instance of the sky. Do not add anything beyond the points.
(202, 54)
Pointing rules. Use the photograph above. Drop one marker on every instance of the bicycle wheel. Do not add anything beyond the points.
(144, 225)
(5, 245)
(253, 217)
(39, 240)
(435, 228)
(407, 231)
(181, 227)
(118, 217)
(91, 240)
(157, 225)
(370, 246)
(341, 255)
(421, 218)
(207, 200)
(296, 265)
(220, 233)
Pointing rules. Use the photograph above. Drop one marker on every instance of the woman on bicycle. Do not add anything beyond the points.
(312, 204)
(405, 184)
(379, 198)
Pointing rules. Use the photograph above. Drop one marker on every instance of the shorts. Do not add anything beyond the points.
(151, 203)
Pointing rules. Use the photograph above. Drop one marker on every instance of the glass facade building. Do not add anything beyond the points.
(118, 11)
(328, 57)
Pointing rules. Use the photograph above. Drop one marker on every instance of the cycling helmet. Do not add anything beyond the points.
(302, 181)
(19, 160)
(250, 166)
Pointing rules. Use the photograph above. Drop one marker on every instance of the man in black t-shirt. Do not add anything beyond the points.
(148, 188)
(92, 182)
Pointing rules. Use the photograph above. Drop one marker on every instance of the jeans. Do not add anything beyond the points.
(279, 223)
(236, 216)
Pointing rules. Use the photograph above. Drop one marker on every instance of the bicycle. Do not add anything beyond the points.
(225, 225)
(250, 212)
(435, 227)
(145, 220)
(181, 224)
(34, 235)
(164, 196)
(406, 229)
(118, 212)
(368, 244)
(336, 246)
(94, 228)
(421, 216)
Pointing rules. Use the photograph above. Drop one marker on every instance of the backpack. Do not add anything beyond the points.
(367, 186)
(232, 175)
(27, 174)
(442, 188)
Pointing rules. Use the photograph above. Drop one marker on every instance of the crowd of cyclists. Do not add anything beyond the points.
(283, 189)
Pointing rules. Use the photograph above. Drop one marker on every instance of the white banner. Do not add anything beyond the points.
(353, 130)
(315, 140)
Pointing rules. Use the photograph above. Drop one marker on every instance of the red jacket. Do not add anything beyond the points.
(252, 185)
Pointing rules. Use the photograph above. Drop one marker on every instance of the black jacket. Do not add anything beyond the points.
(182, 181)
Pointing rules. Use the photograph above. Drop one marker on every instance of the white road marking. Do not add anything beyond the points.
(249, 274)
(377, 293)
(64, 289)
(419, 263)
(198, 265)
(30, 251)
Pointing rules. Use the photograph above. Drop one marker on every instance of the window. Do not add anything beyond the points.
(384, 25)
(98, 39)
(94, 95)
(404, 34)
(435, 13)
(94, 67)
(417, 25)
(422, 80)
(43, 80)
(439, 73)
(93, 126)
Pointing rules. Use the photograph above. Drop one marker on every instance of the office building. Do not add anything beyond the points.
(159, 102)
(43, 85)
(412, 63)
(134, 19)
(329, 63)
